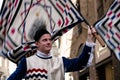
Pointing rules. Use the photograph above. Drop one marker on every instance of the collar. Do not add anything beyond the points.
(43, 55)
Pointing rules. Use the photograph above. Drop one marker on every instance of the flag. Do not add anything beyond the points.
(7, 16)
(18, 16)
(109, 28)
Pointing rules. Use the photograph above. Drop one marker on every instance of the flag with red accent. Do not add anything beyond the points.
(18, 16)
(109, 28)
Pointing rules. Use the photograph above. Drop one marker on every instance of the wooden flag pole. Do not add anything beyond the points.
(96, 35)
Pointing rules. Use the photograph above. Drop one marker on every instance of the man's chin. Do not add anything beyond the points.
(48, 50)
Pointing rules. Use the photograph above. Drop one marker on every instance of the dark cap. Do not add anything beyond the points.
(39, 33)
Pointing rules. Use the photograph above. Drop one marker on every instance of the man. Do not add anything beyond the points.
(43, 66)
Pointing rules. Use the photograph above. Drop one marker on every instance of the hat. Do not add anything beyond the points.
(36, 26)
(39, 33)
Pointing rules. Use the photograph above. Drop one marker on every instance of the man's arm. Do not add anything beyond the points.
(77, 63)
(20, 71)
(81, 62)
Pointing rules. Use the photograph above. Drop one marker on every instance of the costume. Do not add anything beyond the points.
(47, 67)
(50, 68)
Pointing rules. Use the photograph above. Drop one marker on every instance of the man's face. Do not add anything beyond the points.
(44, 44)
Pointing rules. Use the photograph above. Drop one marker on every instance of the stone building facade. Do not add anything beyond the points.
(4, 68)
(105, 65)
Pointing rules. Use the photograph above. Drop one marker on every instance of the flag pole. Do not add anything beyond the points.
(100, 40)
(94, 34)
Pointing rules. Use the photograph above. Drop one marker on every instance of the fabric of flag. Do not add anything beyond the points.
(18, 16)
(8, 13)
(109, 28)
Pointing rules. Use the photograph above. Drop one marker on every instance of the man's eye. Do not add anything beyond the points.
(44, 39)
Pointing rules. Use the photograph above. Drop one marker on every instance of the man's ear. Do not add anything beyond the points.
(36, 43)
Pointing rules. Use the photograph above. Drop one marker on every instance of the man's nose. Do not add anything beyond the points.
(49, 41)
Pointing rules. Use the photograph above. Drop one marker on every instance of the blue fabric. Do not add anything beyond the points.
(69, 64)
(79, 63)
(20, 71)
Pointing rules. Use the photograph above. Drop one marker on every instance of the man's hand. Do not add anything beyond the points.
(90, 36)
